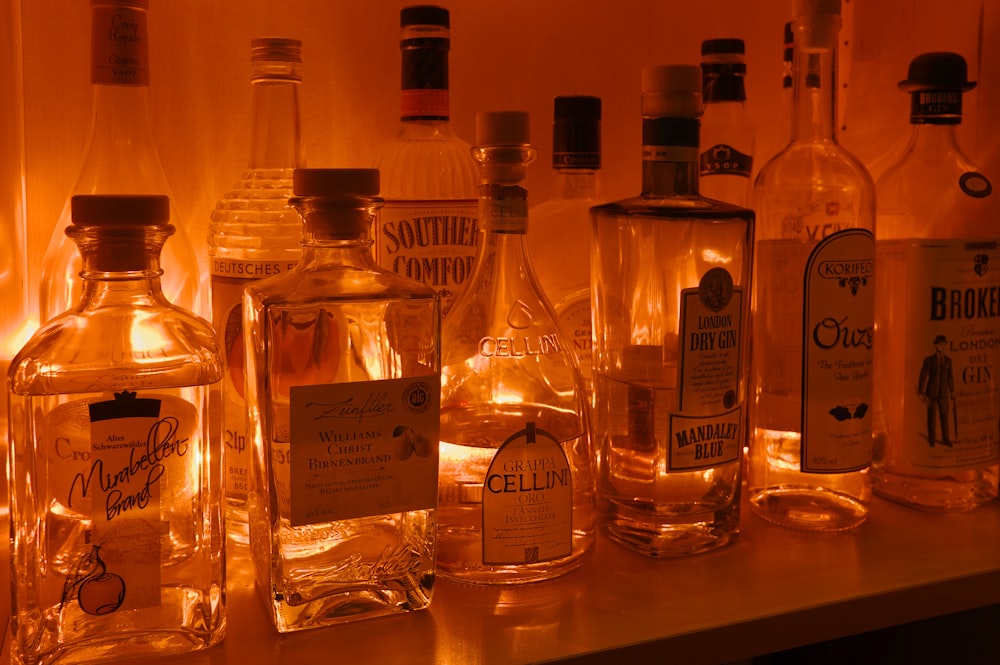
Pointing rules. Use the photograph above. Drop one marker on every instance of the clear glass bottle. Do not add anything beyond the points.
(727, 134)
(427, 228)
(343, 370)
(937, 403)
(120, 158)
(814, 306)
(116, 458)
(671, 305)
(516, 491)
(255, 233)
(559, 235)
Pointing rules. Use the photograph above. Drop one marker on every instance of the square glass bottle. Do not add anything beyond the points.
(343, 385)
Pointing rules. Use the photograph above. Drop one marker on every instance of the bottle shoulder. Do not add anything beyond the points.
(304, 285)
(672, 207)
(427, 161)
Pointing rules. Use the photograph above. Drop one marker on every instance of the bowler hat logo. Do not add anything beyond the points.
(982, 264)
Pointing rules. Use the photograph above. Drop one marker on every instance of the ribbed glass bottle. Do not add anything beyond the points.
(255, 233)
(937, 399)
(116, 459)
(814, 306)
(120, 158)
(516, 491)
(427, 228)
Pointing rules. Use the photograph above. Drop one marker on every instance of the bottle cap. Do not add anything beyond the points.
(135, 4)
(804, 7)
(120, 209)
(502, 128)
(336, 183)
(275, 48)
(939, 70)
(726, 45)
(424, 15)
(672, 90)
(576, 132)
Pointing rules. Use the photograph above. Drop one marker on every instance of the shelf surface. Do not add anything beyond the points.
(773, 589)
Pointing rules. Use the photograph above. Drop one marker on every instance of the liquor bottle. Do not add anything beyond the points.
(255, 233)
(811, 420)
(559, 235)
(727, 136)
(343, 365)
(936, 403)
(117, 529)
(427, 227)
(516, 491)
(671, 287)
(120, 158)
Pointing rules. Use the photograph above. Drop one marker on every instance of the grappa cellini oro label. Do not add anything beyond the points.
(528, 501)
(837, 331)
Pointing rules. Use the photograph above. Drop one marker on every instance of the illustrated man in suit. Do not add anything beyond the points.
(936, 388)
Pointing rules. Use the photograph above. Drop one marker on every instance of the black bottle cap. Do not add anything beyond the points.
(939, 70)
(336, 183)
(120, 209)
(424, 15)
(576, 132)
(726, 45)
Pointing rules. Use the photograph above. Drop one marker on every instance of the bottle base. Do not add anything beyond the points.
(964, 491)
(668, 536)
(349, 605)
(808, 508)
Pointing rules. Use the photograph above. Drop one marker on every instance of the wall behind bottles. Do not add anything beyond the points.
(506, 54)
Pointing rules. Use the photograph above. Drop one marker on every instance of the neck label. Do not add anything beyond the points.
(119, 46)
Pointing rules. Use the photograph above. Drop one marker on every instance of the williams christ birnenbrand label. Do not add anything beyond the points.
(952, 360)
(707, 430)
(363, 448)
(837, 328)
(433, 242)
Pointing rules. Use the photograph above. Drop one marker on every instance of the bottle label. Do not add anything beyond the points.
(119, 46)
(433, 242)
(707, 430)
(505, 215)
(575, 318)
(229, 277)
(838, 326)
(951, 336)
(724, 159)
(528, 501)
(424, 103)
(136, 459)
(669, 153)
(363, 448)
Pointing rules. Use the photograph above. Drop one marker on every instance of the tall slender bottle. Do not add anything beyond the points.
(559, 235)
(814, 306)
(671, 327)
(120, 158)
(427, 228)
(116, 460)
(727, 133)
(255, 233)
(516, 492)
(937, 403)
(343, 381)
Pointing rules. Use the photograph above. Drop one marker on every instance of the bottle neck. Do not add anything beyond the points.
(120, 264)
(575, 184)
(424, 91)
(276, 130)
(336, 231)
(814, 82)
(669, 157)
(723, 83)
(503, 199)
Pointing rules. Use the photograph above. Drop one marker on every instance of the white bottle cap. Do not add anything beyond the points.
(672, 90)
(502, 128)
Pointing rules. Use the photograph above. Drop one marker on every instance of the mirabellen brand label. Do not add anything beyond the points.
(528, 501)
(363, 448)
(838, 327)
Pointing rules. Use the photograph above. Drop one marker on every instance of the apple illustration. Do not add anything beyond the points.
(102, 594)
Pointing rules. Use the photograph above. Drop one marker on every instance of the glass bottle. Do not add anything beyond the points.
(727, 135)
(255, 233)
(937, 403)
(427, 227)
(814, 306)
(343, 370)
(120, 158)
(116, 458)
(516, 491)
(671, 280)
(559, 235)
